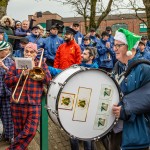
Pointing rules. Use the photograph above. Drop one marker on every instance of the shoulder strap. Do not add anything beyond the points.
(134, 64)
(116, 67)
(120, 78)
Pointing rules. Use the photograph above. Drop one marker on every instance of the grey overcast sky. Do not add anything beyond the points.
(20, 9)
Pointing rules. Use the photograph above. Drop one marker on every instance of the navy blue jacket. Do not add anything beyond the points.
(20, 32)
(51, 45)
(111, 40)
(83, 46)
(144, 55)
(78, 35)
(38, 40)
(135, 128)
(94, 39)
(106, 56)
(148, 45)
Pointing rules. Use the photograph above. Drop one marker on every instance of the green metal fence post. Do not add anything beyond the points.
(43, 126)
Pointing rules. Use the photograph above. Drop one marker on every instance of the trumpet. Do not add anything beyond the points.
(37, 74)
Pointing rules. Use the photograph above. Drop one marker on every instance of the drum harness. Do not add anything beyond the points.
(124, 74)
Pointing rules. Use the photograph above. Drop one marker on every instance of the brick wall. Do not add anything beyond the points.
(132, 23)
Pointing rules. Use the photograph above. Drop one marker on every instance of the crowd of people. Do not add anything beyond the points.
(20, 120)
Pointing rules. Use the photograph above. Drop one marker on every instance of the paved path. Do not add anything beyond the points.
(33, 145)
(58, 140)
(3, 145)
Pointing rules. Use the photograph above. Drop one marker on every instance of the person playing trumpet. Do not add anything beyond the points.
(26, 112)
(5, 92)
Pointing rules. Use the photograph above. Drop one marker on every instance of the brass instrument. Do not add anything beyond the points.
(13, 95)
(37, 73)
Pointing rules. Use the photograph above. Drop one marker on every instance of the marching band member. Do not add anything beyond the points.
(142, 52)
(87, 60)
(135, 133)
(68, 53)
(51, 44)
(78, 36)
(86, 43)
(106, 54)
(5, 92)
(26, 113)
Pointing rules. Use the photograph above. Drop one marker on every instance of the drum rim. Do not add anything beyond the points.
(59, 74)
(1, 135)
(58, 96)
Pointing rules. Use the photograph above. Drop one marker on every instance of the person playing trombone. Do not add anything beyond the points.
(26, 110)
(5, 92)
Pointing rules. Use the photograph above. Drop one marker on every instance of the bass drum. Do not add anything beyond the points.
(80, 100)
(1, 129)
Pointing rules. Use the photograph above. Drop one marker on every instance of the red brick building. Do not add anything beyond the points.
(129, 21)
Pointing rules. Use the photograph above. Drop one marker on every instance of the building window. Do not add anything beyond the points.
(119, 25)
(143, 27)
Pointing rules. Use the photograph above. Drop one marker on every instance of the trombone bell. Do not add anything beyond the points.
(37, 74)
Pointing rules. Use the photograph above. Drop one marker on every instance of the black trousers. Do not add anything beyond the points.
(112, 141)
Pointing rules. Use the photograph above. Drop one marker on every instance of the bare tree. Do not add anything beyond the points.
(89, 9)
(145, 7)
(104, 12)
(139, 6)
(147, 10)
(81, 7)
(3, 7)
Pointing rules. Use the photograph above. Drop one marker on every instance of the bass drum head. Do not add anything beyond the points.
(84, 104)
(54, 89)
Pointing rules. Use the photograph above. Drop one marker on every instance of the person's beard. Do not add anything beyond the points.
(84, 60)
(67, 40)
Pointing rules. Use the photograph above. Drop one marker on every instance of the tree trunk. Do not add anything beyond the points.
(147, 10)
(93, 14)
(3, 7)
(85, 25)
(104, 13)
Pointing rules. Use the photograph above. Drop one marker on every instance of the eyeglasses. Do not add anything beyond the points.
(76, 26)
(31, 52)
(119, 45)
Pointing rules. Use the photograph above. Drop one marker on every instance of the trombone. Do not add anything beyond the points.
(37, 74)
(13, 95)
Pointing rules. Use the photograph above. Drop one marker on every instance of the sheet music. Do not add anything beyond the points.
(23, 63)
